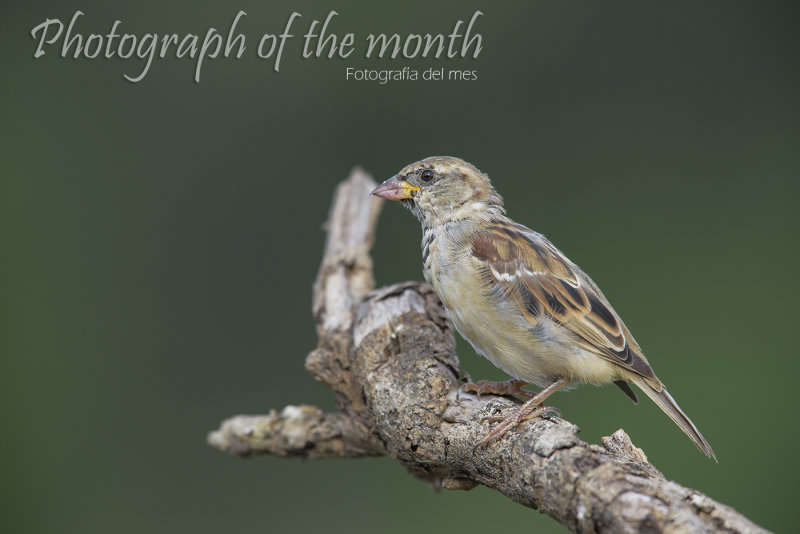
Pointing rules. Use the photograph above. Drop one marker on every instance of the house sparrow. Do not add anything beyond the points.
(516, 298)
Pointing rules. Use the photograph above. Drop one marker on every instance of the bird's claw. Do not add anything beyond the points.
(540, 411)
(507, 387)
(510, 421)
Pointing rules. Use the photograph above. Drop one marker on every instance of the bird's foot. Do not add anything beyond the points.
(509, 422)
(532, 408)
(538, 411)
(508, 387)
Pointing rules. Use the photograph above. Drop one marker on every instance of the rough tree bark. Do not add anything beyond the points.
(389, 357)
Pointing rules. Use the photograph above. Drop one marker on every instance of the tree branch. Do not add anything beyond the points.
(389, 357)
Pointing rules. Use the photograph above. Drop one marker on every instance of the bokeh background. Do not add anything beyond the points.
(158, 242)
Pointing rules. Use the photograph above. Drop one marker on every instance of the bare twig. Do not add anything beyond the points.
(295, 431)
(389, 357)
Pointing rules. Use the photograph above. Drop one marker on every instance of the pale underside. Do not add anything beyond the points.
(567, 329)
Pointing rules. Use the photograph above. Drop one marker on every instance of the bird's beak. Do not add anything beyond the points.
(394, 189)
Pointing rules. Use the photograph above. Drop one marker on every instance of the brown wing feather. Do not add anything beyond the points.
(525, 266)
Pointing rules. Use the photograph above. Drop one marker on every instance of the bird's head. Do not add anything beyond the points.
(441, 189)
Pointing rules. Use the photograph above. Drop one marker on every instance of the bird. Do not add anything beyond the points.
(517, 299)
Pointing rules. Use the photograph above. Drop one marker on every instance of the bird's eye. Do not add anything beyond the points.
(427, 175)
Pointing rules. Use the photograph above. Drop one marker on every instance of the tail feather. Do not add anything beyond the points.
(665, 401)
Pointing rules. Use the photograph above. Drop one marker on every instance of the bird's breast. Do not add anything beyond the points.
(429, 250)
(494, 325)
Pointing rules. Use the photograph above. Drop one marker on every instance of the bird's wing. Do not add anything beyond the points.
(522, 265)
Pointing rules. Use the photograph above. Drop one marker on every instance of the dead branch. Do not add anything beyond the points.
(389, 357)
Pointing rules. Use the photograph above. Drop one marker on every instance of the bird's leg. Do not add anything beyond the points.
(528, 410)
(508, 387)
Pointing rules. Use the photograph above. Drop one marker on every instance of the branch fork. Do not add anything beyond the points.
(389, 357)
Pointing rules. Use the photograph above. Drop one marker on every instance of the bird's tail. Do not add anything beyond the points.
(665, 401)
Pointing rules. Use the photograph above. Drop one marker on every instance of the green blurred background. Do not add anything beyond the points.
(159, 240)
